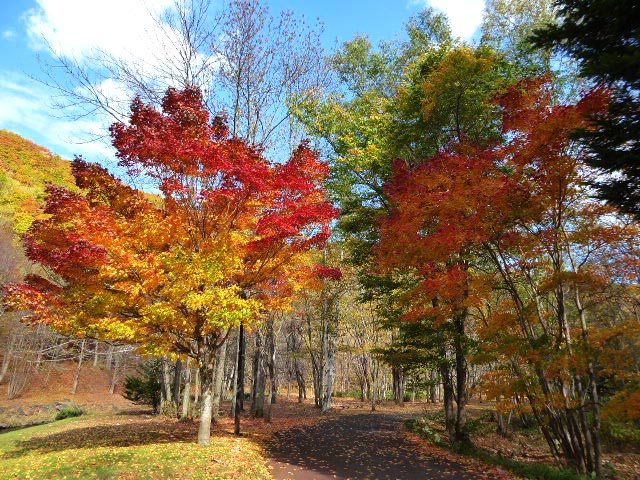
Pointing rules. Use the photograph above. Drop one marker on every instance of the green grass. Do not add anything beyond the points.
(127, 448)
(534, 471)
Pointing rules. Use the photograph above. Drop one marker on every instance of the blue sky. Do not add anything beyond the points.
(75, 27)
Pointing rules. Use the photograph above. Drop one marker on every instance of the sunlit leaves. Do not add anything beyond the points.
(175, 275)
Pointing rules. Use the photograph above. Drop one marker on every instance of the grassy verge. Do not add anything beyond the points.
(125, 447)
(534, 471)
(537, 471)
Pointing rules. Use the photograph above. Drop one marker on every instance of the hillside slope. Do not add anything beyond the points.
(25, 170)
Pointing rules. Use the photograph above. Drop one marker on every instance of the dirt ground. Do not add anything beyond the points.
(50, 388)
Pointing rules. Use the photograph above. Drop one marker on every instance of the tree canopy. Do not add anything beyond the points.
(604, 37)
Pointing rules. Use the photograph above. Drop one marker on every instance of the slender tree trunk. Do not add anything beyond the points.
(186, 394)
(240, 381)
(433, 387)
(76, 378)
(234, 377)
(259, 381)
(398, 384)
(6, 360)
(302, 387)
(271, 360)
(115, 372)
(269, 406)
(198, 391)
(317, 381)
(177, 383)
(330, 348)
(167, 404)
(218, 383)
(109, 357)
(449, 411)
(461, 377)
(96, 353)
(374, 380)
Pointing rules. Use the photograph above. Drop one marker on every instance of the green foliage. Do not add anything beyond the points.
(534, 471)
(146, 388)
(479, 424)
(623, 433)
(507, 26)
(407, 100)
(424, 429)
(349, 394)
(68, 412)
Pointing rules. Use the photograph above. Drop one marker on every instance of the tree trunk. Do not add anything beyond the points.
(461, 377)
(302, 387)
(186, 394)
(234, 378)
(269, 407)
(206, 379)
(109, 357)
(6, 360)
(198, 391)
(398, 384)
(167, 405)
(76, 378)
(259, 381)
(239, 381)
(218, 383)
(449, 411)
(330, 348)
(270, 341)
(96, 353)
(433, 387)
(177, 382)
(375, 377)
(114, 372)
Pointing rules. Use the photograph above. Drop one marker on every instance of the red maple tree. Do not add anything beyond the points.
(174, 273)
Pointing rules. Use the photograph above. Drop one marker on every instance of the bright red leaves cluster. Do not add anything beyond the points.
(224, 183)
(328, 273)
(230, 225)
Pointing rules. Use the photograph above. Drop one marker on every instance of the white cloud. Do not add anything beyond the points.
(27, 110)
(75, 28)
(85, 31)
(94, 34)
(465, 15)
(8, 34)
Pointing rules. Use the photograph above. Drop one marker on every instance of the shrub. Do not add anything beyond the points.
(68, 412)
(619, 432)
(145, 389)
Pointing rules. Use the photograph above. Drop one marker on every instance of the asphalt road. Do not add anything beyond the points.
(364, 446)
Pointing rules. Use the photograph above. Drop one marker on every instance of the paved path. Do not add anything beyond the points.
(366, 446)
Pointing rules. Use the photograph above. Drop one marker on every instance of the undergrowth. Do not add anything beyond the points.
(535, 471)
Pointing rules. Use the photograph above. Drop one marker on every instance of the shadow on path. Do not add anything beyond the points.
(366, 446)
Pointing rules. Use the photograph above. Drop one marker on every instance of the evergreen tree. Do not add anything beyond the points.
(145, 389)
(604, 36)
